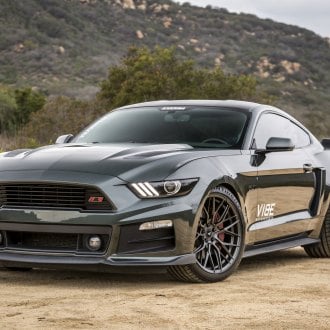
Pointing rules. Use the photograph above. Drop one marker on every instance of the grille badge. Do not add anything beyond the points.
(95, 199)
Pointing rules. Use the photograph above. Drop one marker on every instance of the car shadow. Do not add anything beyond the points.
(147, 278)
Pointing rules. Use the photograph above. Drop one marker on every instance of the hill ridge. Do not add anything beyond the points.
(66, 47)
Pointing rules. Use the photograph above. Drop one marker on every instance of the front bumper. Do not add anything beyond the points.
(126, 246)
(118, 224)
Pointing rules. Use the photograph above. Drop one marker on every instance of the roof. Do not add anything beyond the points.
(219, 103)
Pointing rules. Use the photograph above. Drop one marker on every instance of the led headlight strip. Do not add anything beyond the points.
(145, 189)
(163, 188)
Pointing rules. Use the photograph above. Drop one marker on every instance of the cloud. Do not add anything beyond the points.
(313, 15)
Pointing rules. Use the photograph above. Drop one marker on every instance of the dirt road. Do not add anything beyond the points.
(282, 290)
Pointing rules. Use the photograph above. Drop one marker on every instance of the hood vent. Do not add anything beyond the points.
(48, 195)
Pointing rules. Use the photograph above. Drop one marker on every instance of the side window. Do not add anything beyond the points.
(271, 125)
(300, 137)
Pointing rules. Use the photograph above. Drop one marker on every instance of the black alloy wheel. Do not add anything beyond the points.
(219, 241)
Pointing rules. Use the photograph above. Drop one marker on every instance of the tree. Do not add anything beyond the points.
(16, 105)
(60, 115)
(8, 109)
(27, 101)
(143, 75)
(147, 75)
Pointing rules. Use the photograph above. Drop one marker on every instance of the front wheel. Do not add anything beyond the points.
(219, 241)
(321, 249)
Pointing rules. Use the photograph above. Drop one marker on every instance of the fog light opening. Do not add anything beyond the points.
(94, 243)
(156, 225)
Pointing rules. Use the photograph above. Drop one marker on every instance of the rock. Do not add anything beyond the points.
(142, 6)
(279, 78)
(128, 4)
(157, 7)
(19, 48)
(193, 41)
(167, 22)
(139, 34)
(61, 50)
(291, 67)
(263, 65)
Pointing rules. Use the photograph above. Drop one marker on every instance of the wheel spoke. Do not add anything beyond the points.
(213, 207)
(206, 258)
(231, 233)
(212, 262)
(230, 218)
(227, 250)
(230, 226)
(200, 248)
(218, 255)
(206, 213)
(219, 207)
(224, 214)
(224, 247)
(229, 244)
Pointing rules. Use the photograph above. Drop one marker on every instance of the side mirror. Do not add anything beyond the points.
(277, 144)
(326, 143)
(64, 139)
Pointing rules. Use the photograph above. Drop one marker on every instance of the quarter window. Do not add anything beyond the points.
(272, 125)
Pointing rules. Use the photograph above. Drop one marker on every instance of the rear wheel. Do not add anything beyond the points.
(321, 249)
(219, 241)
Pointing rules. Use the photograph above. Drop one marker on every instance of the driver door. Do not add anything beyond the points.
(285, 181)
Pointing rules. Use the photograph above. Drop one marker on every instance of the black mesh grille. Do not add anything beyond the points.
(42, 240)
(50, 196)
(54, 242)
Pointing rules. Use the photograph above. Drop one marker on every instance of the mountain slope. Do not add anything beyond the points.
(66, 46)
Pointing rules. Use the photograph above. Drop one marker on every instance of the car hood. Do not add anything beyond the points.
(125, 161)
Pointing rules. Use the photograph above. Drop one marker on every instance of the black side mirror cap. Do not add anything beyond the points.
(277, 144)
(64, 139)
(326, 143)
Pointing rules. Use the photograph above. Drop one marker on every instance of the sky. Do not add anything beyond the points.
(310, 14)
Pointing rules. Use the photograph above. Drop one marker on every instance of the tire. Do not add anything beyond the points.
(321, 249)
(219, 242)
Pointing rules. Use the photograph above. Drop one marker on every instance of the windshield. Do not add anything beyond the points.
(195, 126)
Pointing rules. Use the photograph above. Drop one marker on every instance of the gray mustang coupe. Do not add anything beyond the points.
(192, 186)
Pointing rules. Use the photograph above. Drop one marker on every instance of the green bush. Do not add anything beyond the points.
(61, 115)
(146, 75)
(16, 105)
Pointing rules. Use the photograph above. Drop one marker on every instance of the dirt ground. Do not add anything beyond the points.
(281, 290)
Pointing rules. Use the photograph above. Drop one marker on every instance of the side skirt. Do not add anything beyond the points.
(277, 245)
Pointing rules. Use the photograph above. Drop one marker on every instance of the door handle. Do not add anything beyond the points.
(308, 168)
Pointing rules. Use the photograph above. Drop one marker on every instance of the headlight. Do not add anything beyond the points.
(163, 188)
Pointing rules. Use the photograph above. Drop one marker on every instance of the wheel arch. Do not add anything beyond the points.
(234, 188)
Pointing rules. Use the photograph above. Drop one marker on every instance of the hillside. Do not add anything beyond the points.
(66, 46)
